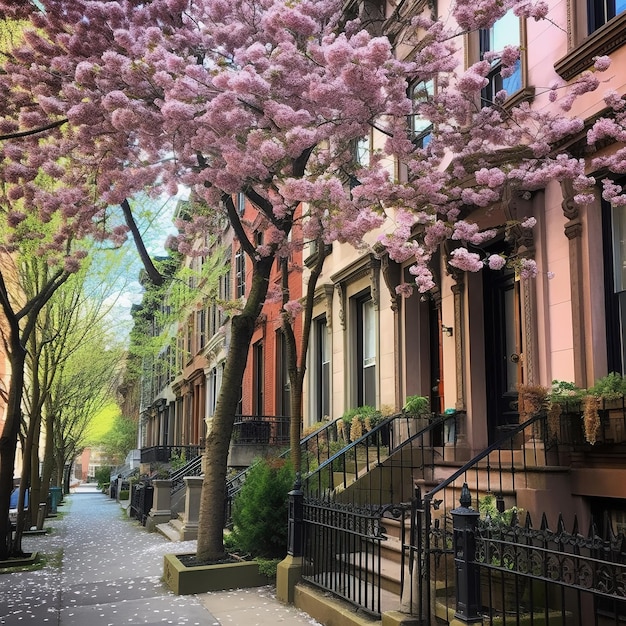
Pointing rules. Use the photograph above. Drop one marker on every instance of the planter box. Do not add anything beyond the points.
(25, 561)
(184, 580)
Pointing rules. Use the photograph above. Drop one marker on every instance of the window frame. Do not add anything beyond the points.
(366, 364)
(584, 47)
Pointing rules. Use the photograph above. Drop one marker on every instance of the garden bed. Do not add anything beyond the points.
(184, 579)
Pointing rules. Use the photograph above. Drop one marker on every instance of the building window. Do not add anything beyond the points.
(322, 369)
(201, 327)
(189, 341)
(240, 273)
(614, 229)
(282, 376)
(212, 390)
(241, 203)
(363, 151)
(419, 93)
(505, 32)
(258, 379)
(599, 12)
(366, 352)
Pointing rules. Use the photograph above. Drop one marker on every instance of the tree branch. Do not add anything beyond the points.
(153, 273)
(34, 131)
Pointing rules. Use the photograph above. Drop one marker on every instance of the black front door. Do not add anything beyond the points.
(502, 350)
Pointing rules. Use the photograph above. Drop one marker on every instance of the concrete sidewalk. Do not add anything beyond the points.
(103, 569)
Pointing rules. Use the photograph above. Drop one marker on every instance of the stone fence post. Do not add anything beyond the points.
(161, 511)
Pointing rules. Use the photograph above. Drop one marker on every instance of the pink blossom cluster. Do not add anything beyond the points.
(467, 261)
(268, 98)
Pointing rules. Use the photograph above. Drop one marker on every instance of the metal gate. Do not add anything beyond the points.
(342, 547)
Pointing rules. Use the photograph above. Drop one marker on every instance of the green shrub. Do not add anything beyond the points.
(124, 494)
(178, 459)
(260, 510)
(268, 567)
(103, 475)
(563, 392)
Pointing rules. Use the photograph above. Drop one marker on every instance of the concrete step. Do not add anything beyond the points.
(390, 571)
(391, 550)
(168, 531)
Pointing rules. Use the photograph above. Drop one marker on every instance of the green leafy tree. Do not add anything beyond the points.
(120, 440)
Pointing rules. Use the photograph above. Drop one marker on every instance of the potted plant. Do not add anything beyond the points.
(606, 394)
(416, 406)
(564, 398)
(357, 421)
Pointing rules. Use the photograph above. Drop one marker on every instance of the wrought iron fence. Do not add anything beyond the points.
(551, 577)
(141, 501)
(260, 430)
(522, 574)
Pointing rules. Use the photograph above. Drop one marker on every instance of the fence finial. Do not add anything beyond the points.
(466, 497)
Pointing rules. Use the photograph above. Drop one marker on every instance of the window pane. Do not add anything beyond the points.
(513, 83)
(363, 148)
(505, 32)
(369, 334)
(619, 247)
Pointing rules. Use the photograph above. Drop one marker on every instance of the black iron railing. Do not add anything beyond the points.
(261, 430)
(414, 444)
(342, 548)
(568, 424)
(191, 468)
(320, 445)
(164, 454)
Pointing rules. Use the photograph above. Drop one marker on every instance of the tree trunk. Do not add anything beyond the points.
(48, 458)
(210, 544)
(23, 518)
(295, 426)
(297, 363)
(8, 446)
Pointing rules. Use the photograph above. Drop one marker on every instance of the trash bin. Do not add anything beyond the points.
(56, 494)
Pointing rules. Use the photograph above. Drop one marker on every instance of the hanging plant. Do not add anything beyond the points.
(591, 418)
(554, 420)
(531, 401)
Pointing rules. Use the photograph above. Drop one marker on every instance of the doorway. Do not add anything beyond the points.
(503, 350)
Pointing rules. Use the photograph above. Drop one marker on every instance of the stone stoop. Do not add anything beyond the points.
(178, 530)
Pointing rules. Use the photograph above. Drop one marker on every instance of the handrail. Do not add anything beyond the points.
(191, 468)
(385, 439)
(496, 446)
(437, 537)
(239, 478)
